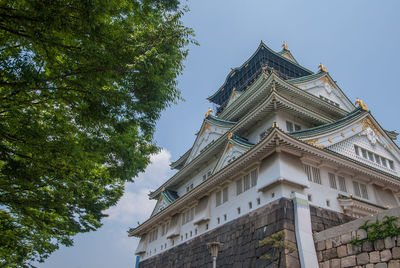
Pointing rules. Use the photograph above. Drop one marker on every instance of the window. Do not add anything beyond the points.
(364, 153)
(332, 180)
(246, 182)
(189, 187)
(364, 192)
(289, 126)
(187, 216)
(371, 156)
(391, 164)
(254, 177)
(164, 229)
(356, 187)
(225, 195)
(258, 201)
(206, 175)
(342, 184)
(380, 160)
(313, 174)
(239, 188)
(250, 205)
(153, 235)
(328, 203)
(297, 127)
(309, 197)
(224, 217)
(238, 210)
(307, 168)
(357, 150)
(218, 199)
(273, 195)
(218, 220)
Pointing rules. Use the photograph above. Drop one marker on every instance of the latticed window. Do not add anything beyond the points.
(307, 169)
(342, 184)
(254, 177)
(313, 174)
(364, 192)
(356, 187)
(246, 182)
(332, 180)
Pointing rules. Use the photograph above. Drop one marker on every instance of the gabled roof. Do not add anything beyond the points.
(288, 55)
(240, 77)
(319, 75)
(169, 195)
(353, 116)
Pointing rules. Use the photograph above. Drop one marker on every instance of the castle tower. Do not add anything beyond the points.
(284, 150)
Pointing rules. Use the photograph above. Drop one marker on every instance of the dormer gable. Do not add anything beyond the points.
(234, 148)
(323, 86)
(165, 198)
(211, 129)
(359, 137)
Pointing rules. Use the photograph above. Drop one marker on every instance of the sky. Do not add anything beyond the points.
(356, 40)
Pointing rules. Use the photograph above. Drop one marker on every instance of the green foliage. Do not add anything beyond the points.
(378, 230)
(277, 242)
(82, 84)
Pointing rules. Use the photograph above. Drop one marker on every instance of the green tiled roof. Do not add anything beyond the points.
(242, 141)
(350, 117)
(306, 78)
(218, 121)
(169, 196)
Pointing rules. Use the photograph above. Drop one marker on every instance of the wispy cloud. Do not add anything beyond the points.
(135, 205)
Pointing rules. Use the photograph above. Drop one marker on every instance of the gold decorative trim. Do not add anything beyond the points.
(209, 111)
(330, 139)
(207, 126)
(322, 68)
(312, 142)
(230, 135)
(342, 134)
(353, 129)
(361, 104)
(285, 47)
(367, 123)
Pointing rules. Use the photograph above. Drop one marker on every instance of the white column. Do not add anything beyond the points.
(304, 237)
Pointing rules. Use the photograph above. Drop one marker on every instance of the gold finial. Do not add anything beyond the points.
(208, 113)
(230, 135)
(273, 89)
(322, 68)
(163, 189)
(275, 124)
(361, 104)
(265, 69)
(285, 47)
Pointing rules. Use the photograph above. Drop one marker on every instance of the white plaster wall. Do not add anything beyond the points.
(253, 134)
(197, 178)
(282, 117)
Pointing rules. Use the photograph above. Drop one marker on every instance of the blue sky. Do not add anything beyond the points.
(357, 41)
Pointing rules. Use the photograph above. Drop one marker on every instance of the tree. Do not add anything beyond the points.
(82, 83)
(278, 244)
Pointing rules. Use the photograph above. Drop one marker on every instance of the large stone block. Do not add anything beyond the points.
(394, 264)
(390, 242)
(381, 265)
(342, 251)
(362, 258)
(329, 254)
(379, 244)
(386, 255)
(345, 238)
(396, 253)
(374, 257)
(334, 263)
(349, 261)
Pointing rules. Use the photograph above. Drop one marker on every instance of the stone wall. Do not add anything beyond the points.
(322, 219)
(334, 247)
(240, 238)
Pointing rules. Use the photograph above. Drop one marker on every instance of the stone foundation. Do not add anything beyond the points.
(241, 237)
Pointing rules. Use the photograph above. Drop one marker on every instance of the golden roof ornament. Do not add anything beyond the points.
(230, 135)
(208, 113)
(361, 104)
(285, 47)
(163, 189)
(275, 124)
(322, 68)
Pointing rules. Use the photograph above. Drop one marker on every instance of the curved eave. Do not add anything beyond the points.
(353, 116)
(212, 119)
(260, 47)
(178, 164)
(275, 137)
(241, 142)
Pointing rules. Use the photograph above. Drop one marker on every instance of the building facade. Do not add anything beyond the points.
(281, 139)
